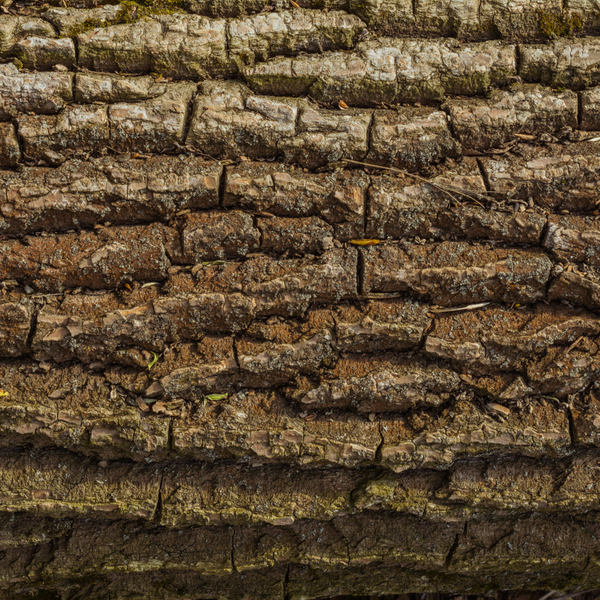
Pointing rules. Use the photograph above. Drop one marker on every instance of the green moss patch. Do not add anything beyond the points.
(132, 11)
(555, 25)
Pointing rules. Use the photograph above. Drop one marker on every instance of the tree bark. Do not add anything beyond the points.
(299, 301)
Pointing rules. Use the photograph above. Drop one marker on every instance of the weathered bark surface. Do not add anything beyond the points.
(299, 300)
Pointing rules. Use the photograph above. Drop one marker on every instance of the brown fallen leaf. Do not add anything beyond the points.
(155, 388)
(499, 409)
(175, 404)
(525, 136)
(159, 408)
(498, 151)
(294, 4)
(143, 406)
(364, 242)
(343, 105)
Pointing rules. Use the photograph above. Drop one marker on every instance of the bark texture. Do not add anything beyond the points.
(299, 300)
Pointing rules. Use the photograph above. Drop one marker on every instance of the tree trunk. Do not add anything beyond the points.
(299, 301)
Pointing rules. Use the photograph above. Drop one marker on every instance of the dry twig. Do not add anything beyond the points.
(442, 187)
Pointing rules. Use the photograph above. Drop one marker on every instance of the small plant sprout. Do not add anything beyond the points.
(153, 361)
(214, 397)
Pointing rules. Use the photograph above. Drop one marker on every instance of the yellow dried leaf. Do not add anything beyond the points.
(364, 242)
(294, 4)
(343, 105)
